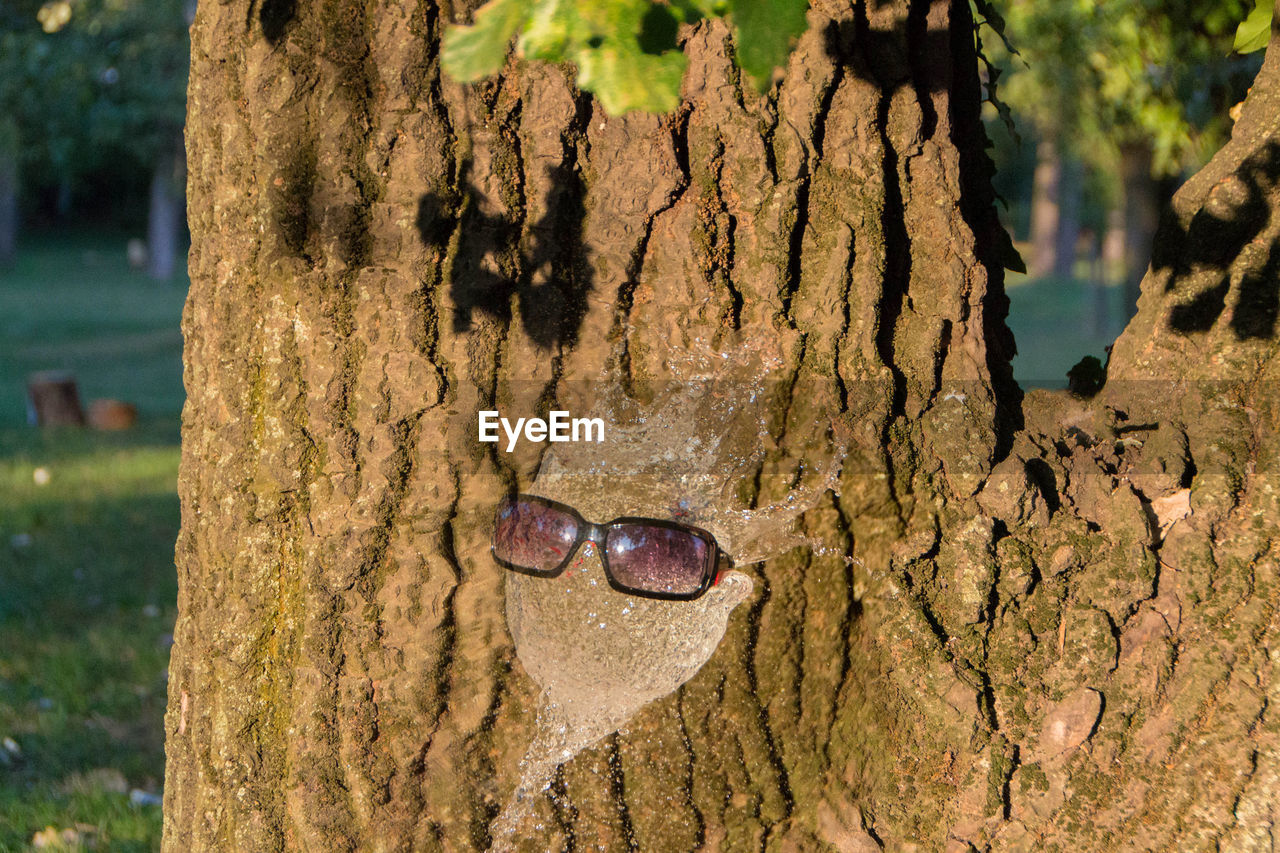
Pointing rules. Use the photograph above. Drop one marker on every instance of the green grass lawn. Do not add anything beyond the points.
(1057, 322)
(87, 584)
(74, 304)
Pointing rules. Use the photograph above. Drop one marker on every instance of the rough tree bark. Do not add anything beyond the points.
(1061, 630)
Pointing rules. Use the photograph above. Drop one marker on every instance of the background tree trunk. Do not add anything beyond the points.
(9, 176)
(1141, 215)
(1036, 645)
(1070, 199)
(1046, 189)
(164, 215)
(1113, 251)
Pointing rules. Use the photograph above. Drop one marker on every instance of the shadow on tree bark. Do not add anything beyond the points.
(547, 272)
(274, 16)
(1217, 234)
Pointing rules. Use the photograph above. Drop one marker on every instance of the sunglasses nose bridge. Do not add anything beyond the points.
(595, 533)
(588, 556)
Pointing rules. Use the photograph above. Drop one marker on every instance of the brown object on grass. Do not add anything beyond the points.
(112, 414)
(54, 399)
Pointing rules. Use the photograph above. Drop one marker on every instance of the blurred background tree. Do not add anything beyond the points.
(1115, 103)
(92, 101)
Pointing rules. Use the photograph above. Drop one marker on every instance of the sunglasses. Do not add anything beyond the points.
(648, 557)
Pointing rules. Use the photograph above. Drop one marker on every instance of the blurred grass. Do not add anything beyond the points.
(87, 584)
(73, 303)
(1056, 322)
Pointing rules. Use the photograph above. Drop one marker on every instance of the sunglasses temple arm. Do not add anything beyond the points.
(723, 564)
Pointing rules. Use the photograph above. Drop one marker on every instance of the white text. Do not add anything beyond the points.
(558, 427)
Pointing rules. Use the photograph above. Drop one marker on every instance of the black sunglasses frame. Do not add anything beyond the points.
(589, 531)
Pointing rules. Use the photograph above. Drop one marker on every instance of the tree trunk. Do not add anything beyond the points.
(1113, 249)
(9, 175)
(1046, 189)
(1070, 198)
(164, 216)
(1141, 215)
(1040, 642)
(53, 399)
(64, 195)
(1099, 291)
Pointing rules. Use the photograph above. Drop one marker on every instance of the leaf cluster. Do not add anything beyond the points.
(87, 82)
(1108, 74)
(1255, 32)
(627, 52)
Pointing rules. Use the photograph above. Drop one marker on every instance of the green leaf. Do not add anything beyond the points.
(1255, 32)
(1007, 254)
(626, 78)
(625, 51)
(692, 11)
(478, 50)
(992, 18)
(551, 30)
(765, 30)
(658, 30)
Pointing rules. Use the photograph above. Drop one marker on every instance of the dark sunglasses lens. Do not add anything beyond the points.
(649, 558)
(533, 536)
